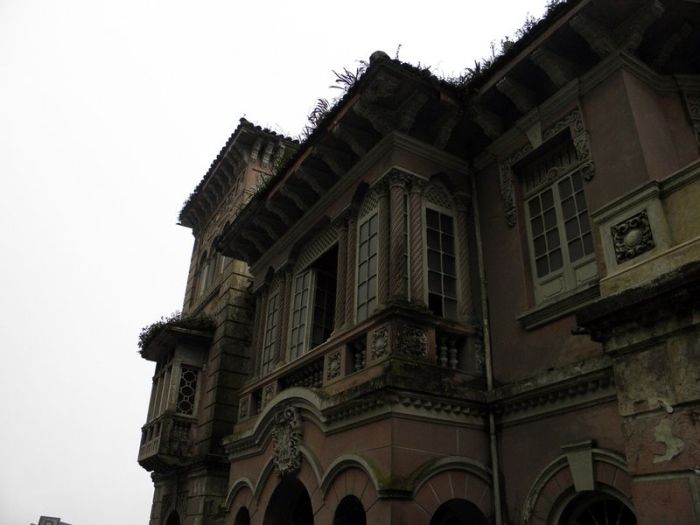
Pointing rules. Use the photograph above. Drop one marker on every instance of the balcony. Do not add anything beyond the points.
(397, 349)
(166, 442)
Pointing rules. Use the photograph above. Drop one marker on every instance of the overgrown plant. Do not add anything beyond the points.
(175, 319)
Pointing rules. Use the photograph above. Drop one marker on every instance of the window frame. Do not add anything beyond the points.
(568, 273)
(374, 213)
(271, 333)
(428, 205)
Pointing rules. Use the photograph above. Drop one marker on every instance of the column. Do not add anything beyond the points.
(350, 266)
(341, 227)
(383, 268)
(398, 182)
(466, 307)
(415, 221)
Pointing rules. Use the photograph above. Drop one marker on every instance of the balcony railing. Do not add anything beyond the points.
(166, 441)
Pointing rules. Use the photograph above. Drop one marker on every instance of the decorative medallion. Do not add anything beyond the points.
(333, 369)
(286, 438)
(413, 341)
(380, 342)
(632, 237)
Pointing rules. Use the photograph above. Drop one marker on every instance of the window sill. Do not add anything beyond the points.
(559, 307)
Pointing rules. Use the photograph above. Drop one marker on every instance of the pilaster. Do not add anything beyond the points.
(398, 254)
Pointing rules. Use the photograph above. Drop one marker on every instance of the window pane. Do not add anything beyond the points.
(534, 206)
(362, 271)
(433, 260)
(547, 199)
(364, 231)
(373, 224)
(446, 223)
(568, 208)
(583, 221)
(550, 219)
(581, 201)
(362, 293)
(450, 308)
(576, 179)
(537, 226)
(433, 239)
(587, 243)
(540, 246)
(373, 244)
(434, 282)
(575, 250)
(542, 266)
(565, 188)
(571, 227)
(552, 239)
(373, 265)
(448, 244)
(555, 260)
(361, 312)
(450, 289)
(448, 265)
(435, 303)
(432, 218)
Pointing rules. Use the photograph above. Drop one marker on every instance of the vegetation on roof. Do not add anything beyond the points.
(174, 320)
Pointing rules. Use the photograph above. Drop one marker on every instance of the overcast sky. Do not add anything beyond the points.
(110, 113)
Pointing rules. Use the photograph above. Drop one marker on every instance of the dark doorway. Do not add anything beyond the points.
(350, 512)
(243, 517)
(173, 519)
(289, 505)
(458, 512)
(592, 508)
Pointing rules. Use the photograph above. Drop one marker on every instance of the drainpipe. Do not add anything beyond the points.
(487, 358)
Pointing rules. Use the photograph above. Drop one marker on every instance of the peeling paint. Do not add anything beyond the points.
(664, 434)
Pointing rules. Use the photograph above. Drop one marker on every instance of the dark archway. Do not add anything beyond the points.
(242, 517)
(289, 504)
(591, 508)
(350, 512)
(458, 512)
(173, 519)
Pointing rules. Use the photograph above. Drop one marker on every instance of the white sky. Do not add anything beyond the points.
(110, 114)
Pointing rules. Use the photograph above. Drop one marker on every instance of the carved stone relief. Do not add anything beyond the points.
(412, 341)
(334, 368)
(268, 393)
(286, 438)
(693, 104)
(380, 343)
(243, 408)
(632, 237)
(574, 122)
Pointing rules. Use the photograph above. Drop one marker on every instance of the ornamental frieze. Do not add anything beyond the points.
(412, 341)
(286, 439)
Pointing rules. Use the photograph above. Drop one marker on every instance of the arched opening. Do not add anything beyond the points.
(173, 519)
(458, 512)
(289, 504)
(350, 512)
(242, 517)
(592, 508)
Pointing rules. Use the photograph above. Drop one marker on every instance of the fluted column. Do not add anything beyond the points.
(284, 301)
(350, 268)
(341, 227)
(415, 221)
(397, 250)
(466, 307)
(383, 268)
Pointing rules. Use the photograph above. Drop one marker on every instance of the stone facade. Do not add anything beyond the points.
(451, 304)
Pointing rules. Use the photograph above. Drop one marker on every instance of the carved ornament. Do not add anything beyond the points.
(413, 341)
(380, 342)
(632, 237)
(334, 367)
(574, 122)
(286, 438)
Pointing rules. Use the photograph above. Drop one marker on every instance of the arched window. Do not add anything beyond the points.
(350, 512)
(593, 508)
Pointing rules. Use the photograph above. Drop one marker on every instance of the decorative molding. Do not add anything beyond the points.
(632, 237)
(316, 247)
(286, 439)
(380, 343)
(412, 341)
(573, 121)
(436, 194)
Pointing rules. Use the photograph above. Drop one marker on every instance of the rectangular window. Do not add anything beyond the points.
(558, 227)
(367, 268)
(442, 267)
(313, 304)
(271, 331)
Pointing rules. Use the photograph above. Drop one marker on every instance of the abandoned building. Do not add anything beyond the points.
(473, 301)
